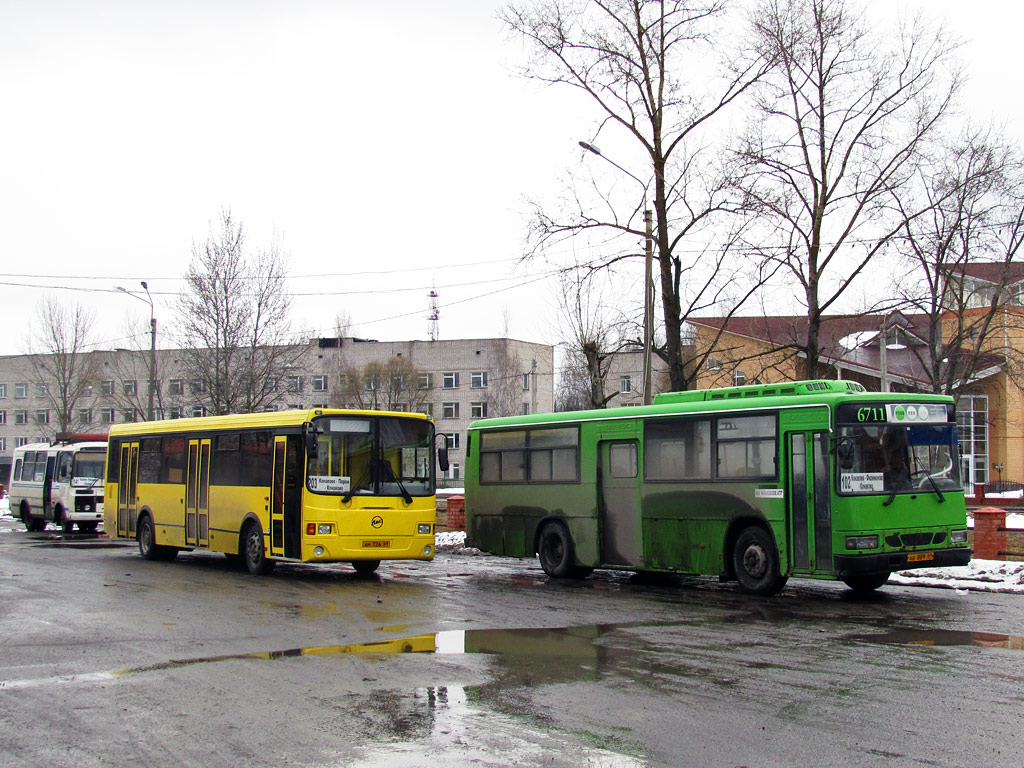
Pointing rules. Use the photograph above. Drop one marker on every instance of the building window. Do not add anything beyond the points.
(372, 383)
(85, 416)
(107, 388)
(129, 387)
(198, 387)
(478, 379)
(478, 410)
(107, 415)
(175, 412)
(451, 441)
(198, 410)
(3, 443)
(625, 384)
(427, 408)
(21, 417)
(453, 471)
(450, 380)
(319, 383)
(3, 417)
(270, 385)
(20, 391)
(42, 389)
(426, 381)
(129, 415)
(294, 383)
(176, 387)
(158, 414)
(20, 441)
(449, 410)
(153, 387)
(739, 378)
(3, 391)
(526, 381)
(526, 409)
(972, 428)
(42, 417)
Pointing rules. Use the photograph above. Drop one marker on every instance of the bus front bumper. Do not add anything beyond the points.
(887, 562)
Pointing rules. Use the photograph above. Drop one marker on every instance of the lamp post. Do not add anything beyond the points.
(648, 269)
(152, 341)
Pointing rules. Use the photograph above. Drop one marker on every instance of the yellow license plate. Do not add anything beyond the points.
(376, 544)
(920, 557)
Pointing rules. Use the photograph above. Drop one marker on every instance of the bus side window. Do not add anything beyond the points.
(64, 467)
(16, 474)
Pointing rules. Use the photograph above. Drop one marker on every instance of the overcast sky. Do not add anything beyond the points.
(387, 146)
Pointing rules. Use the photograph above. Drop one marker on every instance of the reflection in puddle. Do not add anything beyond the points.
(945, 637)
(420, 727)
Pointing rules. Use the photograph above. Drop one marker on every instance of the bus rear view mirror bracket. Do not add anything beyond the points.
(312, 445)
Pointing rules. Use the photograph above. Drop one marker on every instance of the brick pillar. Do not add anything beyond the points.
(457, 513)
(989, 540)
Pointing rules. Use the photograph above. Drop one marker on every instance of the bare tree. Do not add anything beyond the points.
(842, 118)
(964, 255)
(644, 65)
(64, 369)
(394, 385)
(234, 321)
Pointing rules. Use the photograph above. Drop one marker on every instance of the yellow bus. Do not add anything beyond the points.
(318, 485)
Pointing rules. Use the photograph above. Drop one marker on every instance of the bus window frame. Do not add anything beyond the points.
(527, 452)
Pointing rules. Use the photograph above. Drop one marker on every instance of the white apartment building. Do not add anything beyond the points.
(458, 381)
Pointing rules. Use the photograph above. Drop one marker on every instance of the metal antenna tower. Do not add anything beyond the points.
(435, 314)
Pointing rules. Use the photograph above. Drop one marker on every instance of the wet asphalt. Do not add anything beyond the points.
(110, 660)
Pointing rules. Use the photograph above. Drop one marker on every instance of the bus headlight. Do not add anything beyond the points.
(958, 537)
(423, 529)
(862, 542)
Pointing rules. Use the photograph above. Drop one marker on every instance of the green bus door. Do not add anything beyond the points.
(810, 503)
(621, 527)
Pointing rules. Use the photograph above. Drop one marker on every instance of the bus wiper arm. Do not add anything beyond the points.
(406, 496)
(352, 488)
(892, 497)
(935, 487)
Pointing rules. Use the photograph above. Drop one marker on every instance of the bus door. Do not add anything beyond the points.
(810, 502)
(51, 468)
(197, 494)
(619, 505)
(127, 490)
(286, 498)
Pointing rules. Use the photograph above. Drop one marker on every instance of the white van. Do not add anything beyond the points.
(59, 482)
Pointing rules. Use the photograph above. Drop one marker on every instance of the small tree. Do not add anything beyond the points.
(234, 320)
(394, 385)
(62, 365)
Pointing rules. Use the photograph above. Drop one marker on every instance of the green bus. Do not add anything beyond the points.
(816, 479)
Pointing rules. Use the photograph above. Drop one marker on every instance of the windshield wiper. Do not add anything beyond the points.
(935, 487)
(406, 496)
(352, 488)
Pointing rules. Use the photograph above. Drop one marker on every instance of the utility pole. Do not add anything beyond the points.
(648, 305)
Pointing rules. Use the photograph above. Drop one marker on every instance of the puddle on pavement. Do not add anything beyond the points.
(944, 637)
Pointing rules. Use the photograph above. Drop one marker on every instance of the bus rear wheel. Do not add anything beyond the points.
(557, 553)
(366, 567)
(756, 562)
(866, 582)
(256, 560)
(33, 524)
(148, 548)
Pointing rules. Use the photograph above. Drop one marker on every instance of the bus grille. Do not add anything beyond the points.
(913, 539)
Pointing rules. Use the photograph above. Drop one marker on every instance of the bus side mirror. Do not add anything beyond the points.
(844, 452)
(312, 446)
(442, 459)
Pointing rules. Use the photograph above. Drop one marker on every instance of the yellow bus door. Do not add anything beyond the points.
(197, 494)
(127, 490)
(277, 498)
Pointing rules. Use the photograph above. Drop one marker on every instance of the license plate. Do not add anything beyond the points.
(920, 557)
(376, 544)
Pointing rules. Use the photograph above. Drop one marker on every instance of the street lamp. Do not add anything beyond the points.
(648, 268)
(152, 340)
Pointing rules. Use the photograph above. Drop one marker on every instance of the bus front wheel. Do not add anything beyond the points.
(557, 553)
(756, 562)
(66, 523)
(256, 560)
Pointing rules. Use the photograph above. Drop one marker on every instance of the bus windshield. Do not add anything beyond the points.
(894, 458)
(372, 455)
(88, 468)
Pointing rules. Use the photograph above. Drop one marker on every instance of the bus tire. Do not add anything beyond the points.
(866, 583)
(88, 526)
(557, 553)
(253, 552)
(66, 524)
(366, 567)
(32, 524)
(145, 533)
(756, 562)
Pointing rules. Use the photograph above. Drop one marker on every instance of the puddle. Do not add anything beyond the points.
(81, 544)
(944, 637)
